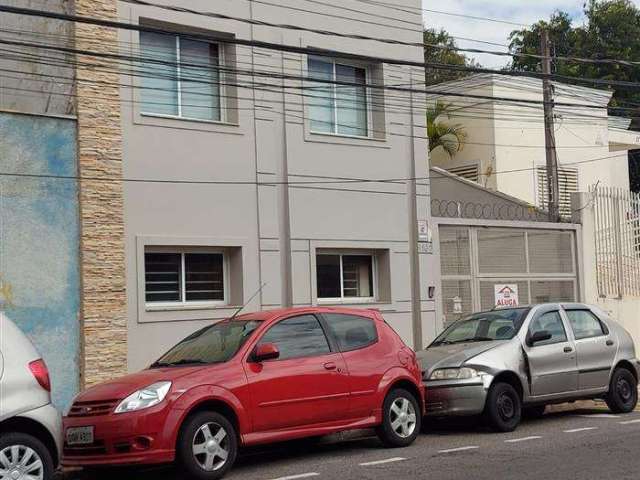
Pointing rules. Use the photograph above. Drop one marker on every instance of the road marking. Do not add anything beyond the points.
(600, 415)
(461, 449)
(629, 422)
(381, 462)
(576, 430)
(295, 477)
(524, 439)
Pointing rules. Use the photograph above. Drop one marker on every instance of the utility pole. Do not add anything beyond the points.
(553, 186)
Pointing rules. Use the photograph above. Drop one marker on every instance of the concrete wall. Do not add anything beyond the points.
(277, 229)
(39, 241)
(33, 80)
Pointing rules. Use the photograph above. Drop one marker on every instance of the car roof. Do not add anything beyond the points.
(267, 315)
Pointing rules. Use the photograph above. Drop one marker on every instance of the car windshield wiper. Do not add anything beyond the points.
(474, 339)
(186, 361)
(441, 342)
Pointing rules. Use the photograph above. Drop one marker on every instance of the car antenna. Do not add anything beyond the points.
(237, 312)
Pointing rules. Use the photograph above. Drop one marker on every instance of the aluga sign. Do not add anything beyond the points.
(506, 295)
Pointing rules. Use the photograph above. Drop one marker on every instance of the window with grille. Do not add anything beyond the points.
(568, 184)
(180, 77)
(344, 277)
(470, 172)
(183, 277)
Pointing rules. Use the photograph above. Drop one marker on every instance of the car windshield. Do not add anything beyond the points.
(484, 327)
(214, 344)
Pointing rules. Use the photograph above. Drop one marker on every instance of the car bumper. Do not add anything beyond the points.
(51, 419)
(120, 440)
(460, 398)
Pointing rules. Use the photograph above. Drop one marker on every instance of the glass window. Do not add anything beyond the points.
(298, 337)
(352, 332)
(181, 277)
(180, 77)
(552, 323)
(483, 327)
(585, 324)
(338, 109)
(344, 276)
(213, 344)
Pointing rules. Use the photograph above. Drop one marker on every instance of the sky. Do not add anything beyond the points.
(517, 11)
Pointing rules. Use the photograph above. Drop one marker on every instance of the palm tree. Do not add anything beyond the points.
(441, 133)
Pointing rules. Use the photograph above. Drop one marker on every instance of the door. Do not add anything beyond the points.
(366, 358)
(552, 363)
(307, 384)
(595, 347)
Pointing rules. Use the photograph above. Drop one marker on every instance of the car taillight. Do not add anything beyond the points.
(41, 373)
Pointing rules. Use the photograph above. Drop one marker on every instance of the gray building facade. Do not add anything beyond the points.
(249, 174)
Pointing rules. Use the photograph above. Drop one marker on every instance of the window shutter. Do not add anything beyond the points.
(470, 172)
(568, 183)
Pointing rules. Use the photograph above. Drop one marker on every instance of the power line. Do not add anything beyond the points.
(306, 50)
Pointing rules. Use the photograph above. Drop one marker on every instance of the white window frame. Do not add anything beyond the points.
(222, 89)
(342, 298)
(367, 90)
(183, 302)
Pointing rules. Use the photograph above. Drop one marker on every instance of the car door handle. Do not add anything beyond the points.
(610, 343)
(568, 349)
(330, 366)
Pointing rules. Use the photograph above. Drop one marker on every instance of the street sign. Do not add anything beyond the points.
(506, 295)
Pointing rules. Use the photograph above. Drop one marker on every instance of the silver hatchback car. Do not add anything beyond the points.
(509, 362)
(30, 427)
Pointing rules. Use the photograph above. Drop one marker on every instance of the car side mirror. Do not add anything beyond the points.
(540, 336)
(265, 351)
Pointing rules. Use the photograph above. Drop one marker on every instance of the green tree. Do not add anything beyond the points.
(440, 47)
(441, 132)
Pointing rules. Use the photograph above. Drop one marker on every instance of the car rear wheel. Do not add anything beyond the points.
(503, 409)
(24, 457)
(401, 419)
(623, 392)
(207, 446)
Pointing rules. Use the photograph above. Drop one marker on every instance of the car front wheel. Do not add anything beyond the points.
(23, 456)
(207, 446)
(623, 392)
(503, 409)
(401, 419)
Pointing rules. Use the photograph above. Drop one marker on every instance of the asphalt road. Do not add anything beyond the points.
(584, 444)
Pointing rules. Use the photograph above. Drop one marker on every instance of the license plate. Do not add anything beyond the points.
(80, 436)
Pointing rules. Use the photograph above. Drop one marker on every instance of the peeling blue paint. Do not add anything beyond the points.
(39, 240)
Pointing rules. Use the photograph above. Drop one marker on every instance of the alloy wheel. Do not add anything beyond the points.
(403, 417)
(211, 447)
(19, 462)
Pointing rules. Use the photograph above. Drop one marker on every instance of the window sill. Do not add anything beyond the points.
(340, 139)
(188, 307)
(173, 121)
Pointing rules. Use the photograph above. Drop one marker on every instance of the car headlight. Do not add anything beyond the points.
(145, 398)
(463, 373)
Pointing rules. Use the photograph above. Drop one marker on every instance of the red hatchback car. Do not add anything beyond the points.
(257, 378)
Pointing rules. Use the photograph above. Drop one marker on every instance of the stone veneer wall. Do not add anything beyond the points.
(103, 307)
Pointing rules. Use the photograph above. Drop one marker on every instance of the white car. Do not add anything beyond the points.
(30, 426)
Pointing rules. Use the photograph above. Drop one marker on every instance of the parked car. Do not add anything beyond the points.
(257, 378)
(507, 362)
(30, 427)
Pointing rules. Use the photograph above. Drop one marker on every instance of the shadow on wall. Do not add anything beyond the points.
(39, 240)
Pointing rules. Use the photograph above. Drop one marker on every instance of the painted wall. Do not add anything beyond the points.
(266, 138)
(39, 241)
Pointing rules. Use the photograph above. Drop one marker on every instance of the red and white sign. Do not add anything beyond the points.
(506, 295)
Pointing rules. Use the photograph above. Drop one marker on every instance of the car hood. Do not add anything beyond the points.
(452, 356)
(122, 387)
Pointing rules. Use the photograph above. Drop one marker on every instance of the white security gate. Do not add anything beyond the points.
(480, 264)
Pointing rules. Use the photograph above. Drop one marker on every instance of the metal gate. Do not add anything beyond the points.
(474, 259)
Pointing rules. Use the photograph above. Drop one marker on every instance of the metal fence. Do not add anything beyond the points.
(617, 238)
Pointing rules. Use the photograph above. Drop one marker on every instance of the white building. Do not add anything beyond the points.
(505, 145)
